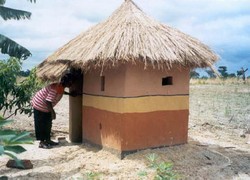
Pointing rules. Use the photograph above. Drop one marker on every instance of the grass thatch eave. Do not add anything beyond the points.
(52, 71)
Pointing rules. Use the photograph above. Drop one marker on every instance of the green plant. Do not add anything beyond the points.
(194, 74)
(10, 141)
(16, 95)
(164, 170)
(142, 174)
(227, 111)
(93, 175)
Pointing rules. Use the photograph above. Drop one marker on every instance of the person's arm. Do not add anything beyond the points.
(73, 93)
(51, 109)
(67, 93)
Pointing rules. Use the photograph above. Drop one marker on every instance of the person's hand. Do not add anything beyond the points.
(53, 115)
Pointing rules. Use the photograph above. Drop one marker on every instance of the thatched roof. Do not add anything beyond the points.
(128, 35)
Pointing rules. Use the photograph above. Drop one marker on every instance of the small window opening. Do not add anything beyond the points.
(167, 81)
(102, 83)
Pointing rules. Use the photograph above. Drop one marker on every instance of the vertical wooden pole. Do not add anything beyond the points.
(75, 112)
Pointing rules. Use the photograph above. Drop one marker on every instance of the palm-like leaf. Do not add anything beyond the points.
(9, 13)
(2, 2)
(16, 149)
(4, 122)
(10, 142)
(6, 135)
(21, 138)
(8, 46)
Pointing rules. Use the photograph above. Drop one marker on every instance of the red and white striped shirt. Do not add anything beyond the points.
(52, 93)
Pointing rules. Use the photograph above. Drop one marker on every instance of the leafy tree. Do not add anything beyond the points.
(204, 77)
(194, 74)
(16, 95)
(210, 73)
(223, 71)
(232, 75)
(239, 73)
(8, 46)
(242, 72)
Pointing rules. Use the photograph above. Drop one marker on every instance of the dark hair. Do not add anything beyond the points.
(66, 79)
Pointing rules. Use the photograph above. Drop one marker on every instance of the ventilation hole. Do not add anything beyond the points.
(167, 81)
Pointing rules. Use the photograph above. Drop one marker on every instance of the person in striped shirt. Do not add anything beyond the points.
(43, 103)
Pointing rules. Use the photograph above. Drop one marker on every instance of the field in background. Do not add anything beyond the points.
(221, 102)
(220, 81)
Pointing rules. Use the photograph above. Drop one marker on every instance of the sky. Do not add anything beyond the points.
(224, 25)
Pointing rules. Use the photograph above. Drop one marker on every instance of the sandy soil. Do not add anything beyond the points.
(218, 147)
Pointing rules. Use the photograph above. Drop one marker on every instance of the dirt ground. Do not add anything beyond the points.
(218, 145)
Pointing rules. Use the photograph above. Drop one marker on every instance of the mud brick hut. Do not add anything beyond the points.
(135, 81)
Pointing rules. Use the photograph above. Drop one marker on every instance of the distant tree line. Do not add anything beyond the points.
(222, 72)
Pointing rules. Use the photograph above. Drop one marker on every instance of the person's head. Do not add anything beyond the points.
(67, 80)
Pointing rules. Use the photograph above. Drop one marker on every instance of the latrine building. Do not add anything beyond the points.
(134, 81)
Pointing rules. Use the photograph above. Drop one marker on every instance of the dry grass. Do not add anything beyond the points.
(222, 102)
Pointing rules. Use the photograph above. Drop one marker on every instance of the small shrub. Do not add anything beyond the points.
(142, 174)
(164, 170)
(93, 175)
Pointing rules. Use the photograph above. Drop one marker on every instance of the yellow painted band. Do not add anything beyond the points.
(137, 104)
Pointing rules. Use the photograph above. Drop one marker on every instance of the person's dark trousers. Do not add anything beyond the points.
(43, 124)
